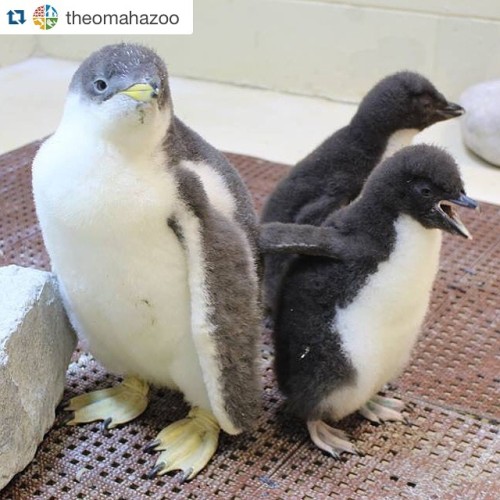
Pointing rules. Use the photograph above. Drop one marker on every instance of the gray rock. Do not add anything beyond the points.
(36, 343)
(481, 122)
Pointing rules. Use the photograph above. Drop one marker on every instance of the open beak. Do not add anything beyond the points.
(451, 110)
(446, 209)
(142, 92)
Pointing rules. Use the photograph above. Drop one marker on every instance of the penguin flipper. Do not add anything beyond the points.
(226, 316)
(303, 239)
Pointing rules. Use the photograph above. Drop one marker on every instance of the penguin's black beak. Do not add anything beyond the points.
(450, 110)
(453, 223)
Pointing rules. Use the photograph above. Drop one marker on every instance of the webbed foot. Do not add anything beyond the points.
(115, 405)
(327, 438)
(380, 409)
(186, 445)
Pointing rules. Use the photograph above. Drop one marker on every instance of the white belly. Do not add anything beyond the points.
(379, 329)
(128, 300)
(123, 272)
(399, 140)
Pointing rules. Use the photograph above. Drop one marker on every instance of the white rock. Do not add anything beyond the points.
(481, 122)
(36, 343)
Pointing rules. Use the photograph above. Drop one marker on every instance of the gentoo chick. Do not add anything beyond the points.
(152, 236)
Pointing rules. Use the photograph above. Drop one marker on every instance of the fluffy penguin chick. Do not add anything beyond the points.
(152, 236)
(346, 321)
(332, 175)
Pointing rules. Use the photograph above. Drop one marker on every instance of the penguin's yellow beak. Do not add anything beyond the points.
(142, 92)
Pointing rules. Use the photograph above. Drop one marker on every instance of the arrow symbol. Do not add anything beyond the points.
(16, 17)
(11, 17)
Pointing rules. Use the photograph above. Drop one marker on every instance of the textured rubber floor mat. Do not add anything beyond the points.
(450, 449)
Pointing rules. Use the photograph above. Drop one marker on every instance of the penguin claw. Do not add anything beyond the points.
(379, 409)
(186, 475)
(151, 447)
(105, 425)
(332, 441)
(186, 445)
(67, 418)
(156, 470)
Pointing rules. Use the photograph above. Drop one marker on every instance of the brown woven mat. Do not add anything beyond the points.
(451, 450)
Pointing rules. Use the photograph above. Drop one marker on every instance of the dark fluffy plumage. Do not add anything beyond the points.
(310, 361)
(334, 173)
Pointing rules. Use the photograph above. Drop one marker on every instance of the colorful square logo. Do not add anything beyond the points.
(45, 17)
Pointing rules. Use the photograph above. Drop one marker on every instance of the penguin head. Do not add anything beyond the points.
(405, 100)
(424, 182)
(121, 89)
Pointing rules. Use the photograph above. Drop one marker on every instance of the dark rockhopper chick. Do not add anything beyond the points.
(395, 109)
(352, 304)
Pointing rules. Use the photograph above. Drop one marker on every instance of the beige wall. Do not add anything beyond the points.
(16, 48)
(484, 9)
(330, 48)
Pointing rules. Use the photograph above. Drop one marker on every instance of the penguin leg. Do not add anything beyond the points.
(380, 409)
(186, 445)
(326, 438)
(115, 406)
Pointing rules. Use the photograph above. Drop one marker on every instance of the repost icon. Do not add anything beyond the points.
(16, 17)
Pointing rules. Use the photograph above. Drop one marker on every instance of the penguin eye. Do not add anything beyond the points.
(422, 188)
(100, 85)
(425, 100)
(425, 192)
